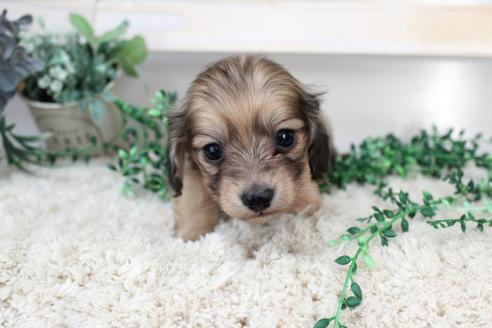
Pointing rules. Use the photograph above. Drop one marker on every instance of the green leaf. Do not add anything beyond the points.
(133, 151)
(107, 96)
(343, 260)
(353, 230)
(128, 189)
(129, 69)
(322, 323)
(403, 197)
(389, 233)
(83, 27)
(333, 242)
(427, 212)
(404, 225)
(114, 33)
(428, 196)
(379, 217)
(356, 290)
(463, 226)
(97, 109)
(155, 112)
(131, 53)
(34, 138)
(122, 154)
(353, 302)
(389, 214)
(345, 238)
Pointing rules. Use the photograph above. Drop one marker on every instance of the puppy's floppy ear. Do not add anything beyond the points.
(176, 145)
(321, 150)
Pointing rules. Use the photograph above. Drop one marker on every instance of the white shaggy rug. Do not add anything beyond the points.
(75, 253)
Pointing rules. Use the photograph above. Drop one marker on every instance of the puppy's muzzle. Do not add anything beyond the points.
(258, 198)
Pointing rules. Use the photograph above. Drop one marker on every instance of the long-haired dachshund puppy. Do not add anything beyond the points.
(248, 142)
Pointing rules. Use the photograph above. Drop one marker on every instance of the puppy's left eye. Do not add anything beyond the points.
(213, 152)
(284, 138)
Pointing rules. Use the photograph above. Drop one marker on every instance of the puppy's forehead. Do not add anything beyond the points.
(242, 117)
(242, 94)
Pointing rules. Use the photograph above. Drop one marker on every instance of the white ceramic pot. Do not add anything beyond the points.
(72, 127)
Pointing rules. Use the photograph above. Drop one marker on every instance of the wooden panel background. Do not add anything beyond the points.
(281, 26)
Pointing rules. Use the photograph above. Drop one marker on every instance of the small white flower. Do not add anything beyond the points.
(54, 71)
(101, 68)
(58, 72)
(44, 82)
(62, 75)
(56, 86)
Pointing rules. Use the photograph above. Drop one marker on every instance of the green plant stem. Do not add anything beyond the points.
(405, 209)
(348, 278)
(363, 246)
(444, 223)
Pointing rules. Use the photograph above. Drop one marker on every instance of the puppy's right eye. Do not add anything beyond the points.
(284, 139)
(213, 152)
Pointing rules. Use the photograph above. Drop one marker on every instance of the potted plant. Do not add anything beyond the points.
(71, 96)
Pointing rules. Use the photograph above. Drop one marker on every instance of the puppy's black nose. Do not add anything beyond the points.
(257, 198)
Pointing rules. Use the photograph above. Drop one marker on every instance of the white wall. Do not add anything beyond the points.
(372, 56)
(366, 95)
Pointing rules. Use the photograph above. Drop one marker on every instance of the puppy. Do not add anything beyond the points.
(248, 142)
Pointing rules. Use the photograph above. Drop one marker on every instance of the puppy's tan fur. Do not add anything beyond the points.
(240, 103)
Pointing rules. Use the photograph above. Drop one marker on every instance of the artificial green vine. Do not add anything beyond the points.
(442, 156)
(142, 155)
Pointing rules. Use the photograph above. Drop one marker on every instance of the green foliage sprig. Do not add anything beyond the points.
(142, 157)
(21, 150)
(442, 156)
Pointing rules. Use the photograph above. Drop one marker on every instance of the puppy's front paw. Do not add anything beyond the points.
(193, 227)
(188, 234)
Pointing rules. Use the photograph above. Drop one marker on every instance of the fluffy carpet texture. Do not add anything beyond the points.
(74, 252)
